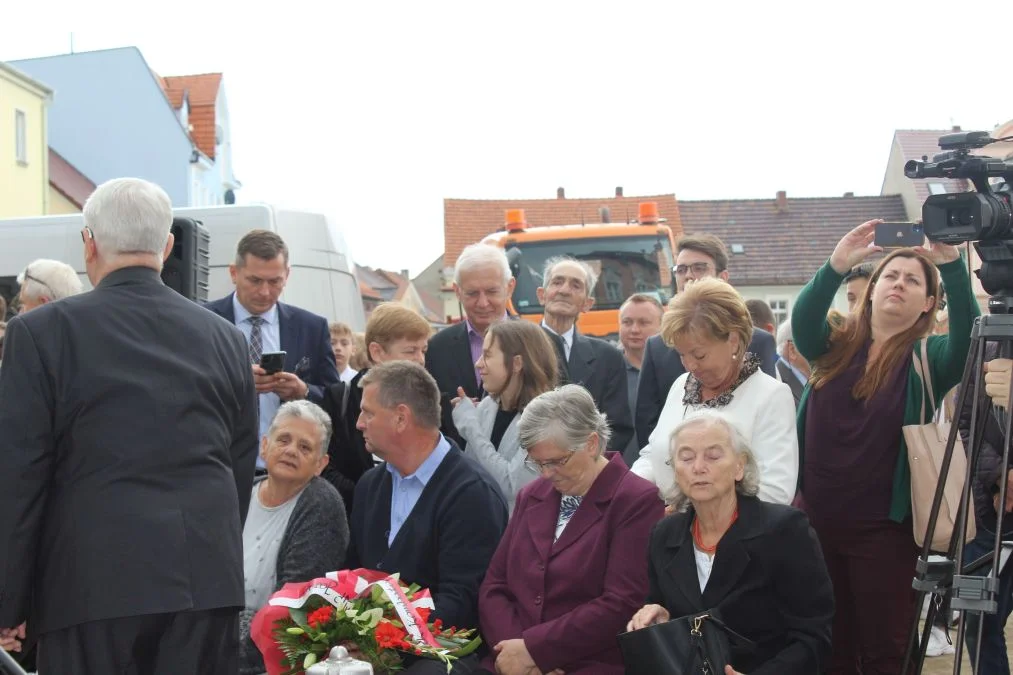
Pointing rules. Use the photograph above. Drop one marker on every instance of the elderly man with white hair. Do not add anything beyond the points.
(128, 433)
(483, 284)
(44, 281)
(791, 367)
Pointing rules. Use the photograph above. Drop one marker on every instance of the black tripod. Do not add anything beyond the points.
(952, 577)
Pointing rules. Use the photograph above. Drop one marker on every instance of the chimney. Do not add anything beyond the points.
(849, 194)
(560, 193)
(605, 215)
(781, 202)
(619, 191)
(404, 273)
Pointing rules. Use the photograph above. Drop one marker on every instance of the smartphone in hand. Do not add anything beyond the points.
(272, 362)
(899, 235)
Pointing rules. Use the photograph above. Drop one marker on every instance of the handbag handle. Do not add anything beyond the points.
(742, 641)
(922, 368)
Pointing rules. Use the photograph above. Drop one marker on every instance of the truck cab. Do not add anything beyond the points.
(628, 258)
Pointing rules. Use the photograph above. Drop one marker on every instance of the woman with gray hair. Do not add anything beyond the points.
(296, 529)
(570, 568)
(754, 565)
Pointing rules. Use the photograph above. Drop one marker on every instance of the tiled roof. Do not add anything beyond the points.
(377, 282)
(367, 292)
(783, 247)
(918, 143)
(466, 221)
(1002, 150)
(202, 92)
(432, 305)
(68, 181)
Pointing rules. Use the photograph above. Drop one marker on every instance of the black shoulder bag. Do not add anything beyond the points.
(697, 644)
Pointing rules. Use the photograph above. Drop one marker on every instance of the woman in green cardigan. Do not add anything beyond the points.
(855, 480)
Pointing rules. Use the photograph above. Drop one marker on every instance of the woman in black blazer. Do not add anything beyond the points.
(756, 566)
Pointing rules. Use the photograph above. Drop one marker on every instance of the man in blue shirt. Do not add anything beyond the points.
(260, 272)
(426, 512)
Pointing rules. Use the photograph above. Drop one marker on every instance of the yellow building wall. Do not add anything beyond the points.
(60, 205)
(24, 187)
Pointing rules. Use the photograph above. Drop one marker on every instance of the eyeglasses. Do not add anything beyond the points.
(697, 267)
(538, 467)
(28, 277)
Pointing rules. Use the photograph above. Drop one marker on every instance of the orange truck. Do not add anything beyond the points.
(628, 257)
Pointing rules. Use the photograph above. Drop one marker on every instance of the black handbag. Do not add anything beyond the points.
(697, 644)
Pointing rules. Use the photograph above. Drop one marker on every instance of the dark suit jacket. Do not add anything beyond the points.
(788, 377)
(599, 367)
(349, 458)
(570, 598)
(448, 360)
(662, 366)
(768, 583)
(128, 435)
(306, 341)
(447, 541)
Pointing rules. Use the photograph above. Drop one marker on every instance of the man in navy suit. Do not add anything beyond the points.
(259, 273)
(567, 291)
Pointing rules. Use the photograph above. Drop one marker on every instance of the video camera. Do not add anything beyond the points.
(984, 216)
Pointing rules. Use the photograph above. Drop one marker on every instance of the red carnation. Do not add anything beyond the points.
(424, 612)
(321, 616)
(388, 636)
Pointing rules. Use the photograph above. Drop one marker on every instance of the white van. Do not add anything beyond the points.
(322, 279)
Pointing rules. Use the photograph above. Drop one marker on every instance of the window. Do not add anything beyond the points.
(21, 136)
(937, 189)
(780, 309)
(626, 265)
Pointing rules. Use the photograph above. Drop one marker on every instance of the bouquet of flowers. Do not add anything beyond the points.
(378, 613)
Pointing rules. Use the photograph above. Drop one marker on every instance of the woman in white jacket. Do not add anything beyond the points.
(518, 363)
(709, 325)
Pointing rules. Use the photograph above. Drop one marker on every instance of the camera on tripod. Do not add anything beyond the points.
(984, 216)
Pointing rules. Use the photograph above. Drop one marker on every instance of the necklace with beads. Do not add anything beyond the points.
(698, 538)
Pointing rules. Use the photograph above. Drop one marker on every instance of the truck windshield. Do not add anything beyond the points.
(625, 265)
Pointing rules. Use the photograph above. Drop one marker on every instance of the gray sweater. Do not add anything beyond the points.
(313, 545)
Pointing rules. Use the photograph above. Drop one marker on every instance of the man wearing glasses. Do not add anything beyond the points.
(128, 428)
(45, 281)
(700, 256)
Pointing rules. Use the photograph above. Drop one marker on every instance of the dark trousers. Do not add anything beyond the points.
(994, 660)
(194, 643)
(871, 566)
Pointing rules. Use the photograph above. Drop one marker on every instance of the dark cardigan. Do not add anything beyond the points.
(446, 542)
(314, 544)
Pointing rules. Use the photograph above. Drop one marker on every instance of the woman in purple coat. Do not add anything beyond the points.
(572, 566)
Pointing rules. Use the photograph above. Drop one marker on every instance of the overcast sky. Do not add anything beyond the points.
(374, 112)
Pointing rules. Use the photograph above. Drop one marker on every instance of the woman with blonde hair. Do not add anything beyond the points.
(856, 482)
(709, 325)
(518, 363)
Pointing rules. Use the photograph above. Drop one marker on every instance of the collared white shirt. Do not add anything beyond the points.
(407, 490)
(567, 337)
(270, 339)
(348, 374)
